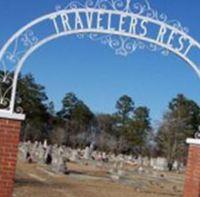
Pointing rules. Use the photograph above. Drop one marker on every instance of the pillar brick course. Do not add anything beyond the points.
(192, 175)
(9, 139)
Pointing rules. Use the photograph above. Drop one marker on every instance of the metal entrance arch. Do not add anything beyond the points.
(124, 25)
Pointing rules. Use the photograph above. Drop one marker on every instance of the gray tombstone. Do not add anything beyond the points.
(87, 153)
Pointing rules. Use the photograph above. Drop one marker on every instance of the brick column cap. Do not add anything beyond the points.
(193, 141)
(12, 116)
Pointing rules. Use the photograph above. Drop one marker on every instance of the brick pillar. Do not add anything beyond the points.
(9, 139)
(192, 176)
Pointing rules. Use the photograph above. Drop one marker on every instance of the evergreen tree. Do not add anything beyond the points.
(33, 99)
(125, 107)
(180, 122)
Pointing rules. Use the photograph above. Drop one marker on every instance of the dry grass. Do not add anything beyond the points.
(88, 181)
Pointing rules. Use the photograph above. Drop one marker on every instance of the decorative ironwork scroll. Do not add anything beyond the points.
(123, 45)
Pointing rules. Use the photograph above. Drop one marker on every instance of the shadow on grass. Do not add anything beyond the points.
(162, 193)
(22, 182)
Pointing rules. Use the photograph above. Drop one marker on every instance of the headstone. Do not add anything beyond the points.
(152, 162)
(45, 144)
(146, 161)
(34, 150)
(41, 154)
(62, 165)
(176, 165)
(24, 149)
(141, 170)
(160, 164)
(74, 156)
(48, 155)
(87, 153)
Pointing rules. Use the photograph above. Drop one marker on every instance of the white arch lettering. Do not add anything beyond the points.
(133, 25)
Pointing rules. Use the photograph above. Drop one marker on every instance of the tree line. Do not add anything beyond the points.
(129, 130)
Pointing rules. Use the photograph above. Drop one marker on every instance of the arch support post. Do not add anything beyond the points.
(192, 176)
(10, 126)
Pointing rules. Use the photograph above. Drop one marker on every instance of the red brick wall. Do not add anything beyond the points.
(9, 139)
(192, 179)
